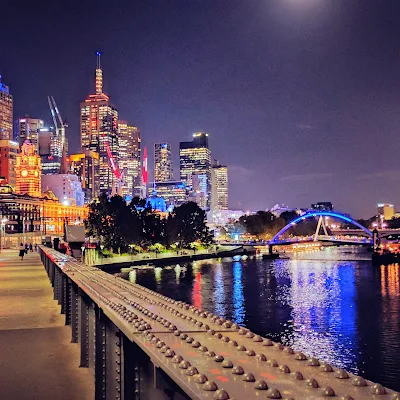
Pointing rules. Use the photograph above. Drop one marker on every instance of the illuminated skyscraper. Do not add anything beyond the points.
(129, 157)
(162, 162)
(28, 128)
(27, 171)
(219, 187)
(195, 167)
(8, 154)
(6, 112)
(99, 131)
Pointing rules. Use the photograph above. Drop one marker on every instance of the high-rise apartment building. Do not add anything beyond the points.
(195, 167)
(129, 142)
(8, 155)
(86, 167)
(219, 187)
(386, 211)
(28, 128)
(162, 162)
(6, 112)
(27, 171)
(99, 131)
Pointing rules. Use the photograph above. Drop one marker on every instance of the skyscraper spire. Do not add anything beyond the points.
(99, 75)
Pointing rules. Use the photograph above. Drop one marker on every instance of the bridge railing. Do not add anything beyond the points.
(142, 345)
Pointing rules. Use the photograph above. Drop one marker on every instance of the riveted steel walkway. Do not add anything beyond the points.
(144, 345)
(37, 359)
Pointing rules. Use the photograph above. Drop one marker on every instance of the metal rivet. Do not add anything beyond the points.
(191, 371)
(183, 336)
(250, 353)
(284, 369)
(377, 389)
(313, 362)
(241, 348)
(184, 364)
(341, 374)
(358, 381)
(233, 343)
(250, 335)
(196, 344)
(221, 394)
(203, 349)
(169, 353)
(218, 358)
(267, 342)
(261, 357)
(225, 339)
(227, 364)
(177, 359)
(288, 350)
(273, 394)
(210, 386)
(257, 338)
(272, 363)
(237, 370)
(297, 375)
(312, 383)
(278, 346)
(325, 367)
(200, 378)
(327, 392)
(260, 385)
(189, 340)
(300, 357)
(249, 377)
(210, 354)
(395, 396)
(346, 397)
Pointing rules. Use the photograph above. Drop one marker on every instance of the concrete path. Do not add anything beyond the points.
(37, 359)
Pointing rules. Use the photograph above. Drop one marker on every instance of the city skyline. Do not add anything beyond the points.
(280, 95)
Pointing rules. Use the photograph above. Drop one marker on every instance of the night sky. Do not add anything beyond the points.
(301, 97)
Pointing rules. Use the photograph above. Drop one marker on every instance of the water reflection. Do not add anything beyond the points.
(344, 312)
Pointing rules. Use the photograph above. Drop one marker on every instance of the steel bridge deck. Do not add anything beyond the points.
(206, 356)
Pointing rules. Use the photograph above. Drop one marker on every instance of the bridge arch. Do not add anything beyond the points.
(320, 214)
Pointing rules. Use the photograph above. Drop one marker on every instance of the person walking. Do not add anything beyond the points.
(21, 251)
(31, 247)
(26, 248)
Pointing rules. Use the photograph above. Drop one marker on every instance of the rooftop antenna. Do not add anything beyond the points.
(99, 75)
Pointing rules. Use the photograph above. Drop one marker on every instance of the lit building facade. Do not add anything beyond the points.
(67, 187)
(162, 162)
(50, 151)
(386, 211)
(195, 167)
(27, 171)
(322, 206)
(6, 112)
(37, 214)
(86, 166)
(28, 128)
(8, 158)
(99, 131)
(129, 143)
(174, 193)
(219, 187)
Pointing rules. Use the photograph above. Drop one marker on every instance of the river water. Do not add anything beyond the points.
(331, 304)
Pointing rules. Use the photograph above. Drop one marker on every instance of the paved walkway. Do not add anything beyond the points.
(37, 359)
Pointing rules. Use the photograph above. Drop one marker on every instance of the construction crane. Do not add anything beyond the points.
(60, 125)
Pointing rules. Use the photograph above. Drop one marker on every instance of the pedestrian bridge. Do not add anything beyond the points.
(142, 345)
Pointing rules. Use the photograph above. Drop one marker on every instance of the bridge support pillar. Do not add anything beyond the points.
(270, 249)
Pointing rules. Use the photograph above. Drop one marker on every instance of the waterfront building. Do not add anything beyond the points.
(219, 187)
(8, 156)
(43, 214)
(67, 187)
(86, 166)
(27, 171)
(99, 131)
(175, 193)
(162, 162)
(195, 168)
(28, 128)
(6, 112)
(322, 206)
(129, 142)
(386, 211)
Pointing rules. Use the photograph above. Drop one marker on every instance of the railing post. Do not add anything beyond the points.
(109, 364)
(74, 313)
(67, 300)
(84, 328)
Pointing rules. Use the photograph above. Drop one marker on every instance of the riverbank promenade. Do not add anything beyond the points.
(38, 360)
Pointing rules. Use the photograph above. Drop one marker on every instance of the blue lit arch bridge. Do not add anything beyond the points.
(358, 236)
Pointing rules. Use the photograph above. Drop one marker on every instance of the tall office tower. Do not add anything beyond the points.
(6, 112)
(27, 171)
(162, 162)
(86, 167)
(28, 128)
(129, 142)
(50, 151)
(195, 167)
(219, 187)
(99, 131)
(8, 154)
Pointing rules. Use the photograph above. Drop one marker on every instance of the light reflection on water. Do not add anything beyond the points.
(344, 312)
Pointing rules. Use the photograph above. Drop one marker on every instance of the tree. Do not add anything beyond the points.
(187, 224)
(263, 224)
